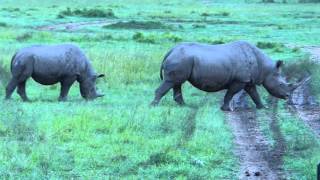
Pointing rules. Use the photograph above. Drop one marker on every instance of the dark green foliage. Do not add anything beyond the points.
(172, 37)
(205, 14)
(11, 9)
(139, 37)
(158, 159)
(90, 13)
(138, 25)
(214, 41)
(269, 45)
(196, 26)
(225, 14)
(3, 24)
(24, 37)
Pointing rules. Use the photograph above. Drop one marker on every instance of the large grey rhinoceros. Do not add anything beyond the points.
(50, 64)
(233, 66)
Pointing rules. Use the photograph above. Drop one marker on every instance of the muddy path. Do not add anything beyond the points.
(303, 103)
(258, 158)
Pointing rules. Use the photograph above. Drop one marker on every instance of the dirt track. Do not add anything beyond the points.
(73, 26)
(258, 160)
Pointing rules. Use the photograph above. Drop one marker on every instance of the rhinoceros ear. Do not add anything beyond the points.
(279, 64)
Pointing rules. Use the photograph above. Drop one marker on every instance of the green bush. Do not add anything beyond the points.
(269, 45)
(197, 26)
(90, 13)
(3, 24)
(172, 37)
(138, 25)
(139, 37)
(24, 37)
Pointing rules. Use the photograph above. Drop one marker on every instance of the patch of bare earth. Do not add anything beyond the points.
(258, 159)
(73, 26)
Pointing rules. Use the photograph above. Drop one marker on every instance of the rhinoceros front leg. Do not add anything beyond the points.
(234, 88)
(65, 87)
(177, 94)
(161, 91)
(253, 93)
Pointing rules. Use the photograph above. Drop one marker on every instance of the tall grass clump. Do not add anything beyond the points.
(304, 67)
(140, 37)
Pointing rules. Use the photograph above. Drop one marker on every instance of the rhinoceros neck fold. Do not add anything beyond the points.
(265, 65)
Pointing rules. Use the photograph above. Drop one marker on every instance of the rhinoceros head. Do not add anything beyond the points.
(276, 84)
(88, 87)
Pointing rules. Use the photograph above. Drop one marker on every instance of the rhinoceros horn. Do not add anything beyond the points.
(99, 95)
(303, 81)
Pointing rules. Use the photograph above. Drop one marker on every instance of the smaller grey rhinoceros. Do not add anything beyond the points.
(50, 64)
(233, 66)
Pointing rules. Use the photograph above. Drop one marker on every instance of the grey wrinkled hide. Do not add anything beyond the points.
(51, 64)
(233, 66)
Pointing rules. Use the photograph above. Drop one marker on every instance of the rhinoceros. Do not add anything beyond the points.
(233, 66)
(51, 64)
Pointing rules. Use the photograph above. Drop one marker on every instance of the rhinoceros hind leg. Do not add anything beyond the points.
(161, 91)
(65, 87)
(22, 90)
(234, 88)
(253, 93)
(177, 94)
(11, 87)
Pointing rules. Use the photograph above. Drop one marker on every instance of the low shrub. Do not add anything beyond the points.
(138, 25)
(205, 14)
(269, 45)
(3, 24)
(197, 26)
(24, 37)
(139, 37)
(172, 37)
(90, 13)
(213, 41)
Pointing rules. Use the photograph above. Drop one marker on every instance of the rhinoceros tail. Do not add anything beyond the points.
(161, 76)
(12, 59)
(161, 67)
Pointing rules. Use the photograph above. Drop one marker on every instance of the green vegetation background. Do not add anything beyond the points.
(120, 136)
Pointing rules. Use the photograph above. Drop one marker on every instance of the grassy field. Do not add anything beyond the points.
(120, 135)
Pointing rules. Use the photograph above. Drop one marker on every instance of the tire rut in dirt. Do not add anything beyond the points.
(304, 105)
(189, 127)
(258, 160)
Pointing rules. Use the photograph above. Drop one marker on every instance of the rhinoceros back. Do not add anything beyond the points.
(51, 62)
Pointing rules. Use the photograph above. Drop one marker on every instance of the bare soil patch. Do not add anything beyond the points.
(73, 26)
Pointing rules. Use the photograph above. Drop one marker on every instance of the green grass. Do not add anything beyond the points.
(120, 136)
